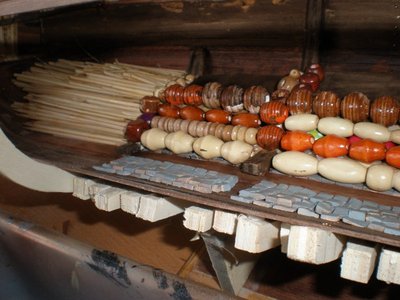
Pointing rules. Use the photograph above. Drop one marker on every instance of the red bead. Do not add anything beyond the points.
(191, 113)
(134, 130)
(393, 157)
(316, 69)
(246, 119)
(331, 146)
(310, 79)
(367, 151)
(192, 95)
(168, 110)
(174, 94)
(297, 141)
(218, 116)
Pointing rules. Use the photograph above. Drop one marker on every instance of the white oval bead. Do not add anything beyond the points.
(208, 146)
(369, 130)
(395, 136)
(396, 180)
(236, 152)
(179, 142)
(153, 139)
(380, 177)
(295, 163)
(342, 170)
(338, 126)
(303, 122)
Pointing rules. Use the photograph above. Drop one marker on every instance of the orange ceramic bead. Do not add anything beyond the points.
(297, 141)
(192, 95)
(269, 137)
(331, 145)
(191, 113)
(168, 110)
(274, 112)
(367, 151)
(218, 116)
(393, 156)
(174, 94)
(246, 119)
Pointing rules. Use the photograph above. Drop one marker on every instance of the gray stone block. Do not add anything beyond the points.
(324, 208)
(357, 214)
(306, 212)
(354, 222)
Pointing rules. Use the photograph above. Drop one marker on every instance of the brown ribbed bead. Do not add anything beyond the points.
(219, 130)
(149, 104)
(174, 94)
(274, 112)
(154, 121)
(211, 94)
(300, 101)
(191, 113)
(212, 128)
(177, 124)
(241, 134)
(246, 119)
(192, 95)
(355, 107)
(168, 110)
(185, 126)
(269, 137)
(232, 98)
(161, 122)
(253, 97)
(200, 128)
(218, 116)
(192, 129)
(227, 133)
(170, 125)
(280, 95)
(326, 104)
(384, 110)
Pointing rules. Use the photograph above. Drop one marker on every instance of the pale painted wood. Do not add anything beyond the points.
(81, 188)
(130, 202)
(256, 235)
(314, 245)
(30, 173)
(284, 236)
(108, 199)
(358, 261)
(154, 208)
(96, 188)
(198, 219)
(389, 266)
(224, 222)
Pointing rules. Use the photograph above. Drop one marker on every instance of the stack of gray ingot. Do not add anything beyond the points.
(179, 175)
(304, 201)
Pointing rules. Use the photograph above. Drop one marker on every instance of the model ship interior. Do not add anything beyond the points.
(266, 129)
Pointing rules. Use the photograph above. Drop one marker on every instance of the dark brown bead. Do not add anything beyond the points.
(134, 130)
(300, 101)
(191, 113)
(355, 107)
(253, 97)
(310, 79)
(326, 104)
(280, 95)
(211, 94)
(174, 94)
(385, 110)
(192, 95)
(218, 116)
(316, 69)
(247, 120)
(269, 137)
(232, 98)
(149, 104)
(226, 133)
(168, 110)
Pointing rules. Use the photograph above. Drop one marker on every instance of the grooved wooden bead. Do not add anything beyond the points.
(219, 131)
(213, 128)
(326, 104)
(177, 124)
(170, 125)
(201, 127)
(297, 141)
(274, 112)
(149, 104)
(367, 151)
(393, 156)
(355, 107)
(191, 113)
(253, 97)
(174, 94)
(280, 95)
(226, 133)
(211, 94)
(269, 137)
(232, 98)
(300, 101)
(246, 119)
(192, 95)
(168, 110)
(331, 145)
(218, 116)
(154, 121)
(185, 125)
(385, 110)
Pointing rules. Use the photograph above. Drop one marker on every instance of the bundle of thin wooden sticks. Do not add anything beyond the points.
(88, 101)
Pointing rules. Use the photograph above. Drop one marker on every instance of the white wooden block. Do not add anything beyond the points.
(284, 235)
(358, 262)
(81, 188)
(96, 188)
(313, 245)
(256, 235)
(198, 219)
(108, 199)
(389, 266)
(154, 208)
(130, 202)
(224, 222)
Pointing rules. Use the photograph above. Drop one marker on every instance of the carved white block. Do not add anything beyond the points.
(389, 266)
(154, 208)
(256, 235)
(96, 188)
(358, 262)
(108, 199)
(130, 202)
(224, 222)
(198, 219)
(284, 236)
(313, 245)
(81, 188)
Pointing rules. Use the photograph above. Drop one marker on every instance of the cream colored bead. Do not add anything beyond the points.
(236, 152)
(396, 180)
(380, 177)
(250, 136)
(338, 126)
(342, 170)
(395, 136)
(208, 146)
(295, 163)
(369, 130)
(303, 122)
(179, 142)
(153, 139)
